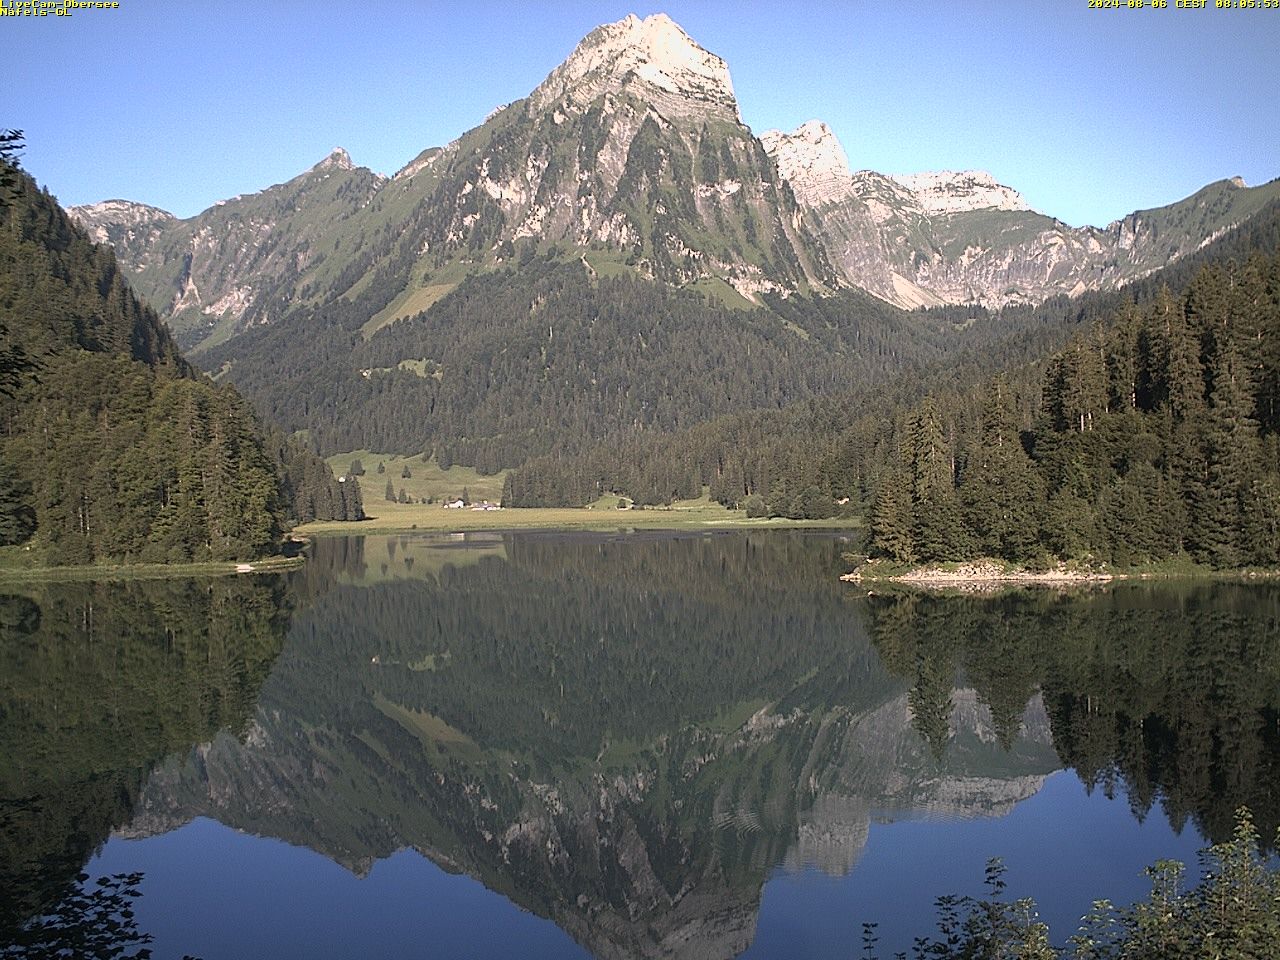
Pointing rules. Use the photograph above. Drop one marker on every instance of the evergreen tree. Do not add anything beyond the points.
(891, 521)
(1230, 444)
(1000, 490)
(17, 514)
(932, 468)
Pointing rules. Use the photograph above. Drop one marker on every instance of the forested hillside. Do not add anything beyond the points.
(546, 356)
(1153, 438)
(1151, 435)
(111, 445)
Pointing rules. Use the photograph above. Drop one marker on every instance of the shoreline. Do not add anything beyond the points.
(436, 519)
(989, 575)
(149, 571)
(978, 573)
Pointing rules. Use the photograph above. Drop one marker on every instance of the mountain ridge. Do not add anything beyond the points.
(628, 161)
(633, 146)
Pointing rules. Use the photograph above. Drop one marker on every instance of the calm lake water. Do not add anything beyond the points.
(640, 745)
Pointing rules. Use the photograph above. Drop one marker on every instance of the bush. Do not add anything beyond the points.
(1232, 914)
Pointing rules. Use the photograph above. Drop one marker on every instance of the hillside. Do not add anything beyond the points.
(113, 446)
(1124, 429)
(614, 253)
(521, 361)
(633, 154)
(961, 237)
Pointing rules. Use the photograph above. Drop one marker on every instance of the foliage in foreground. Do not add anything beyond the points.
(112, 447)
(97, 921)
(1233, 913)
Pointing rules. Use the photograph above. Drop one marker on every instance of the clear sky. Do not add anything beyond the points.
(1089, 113)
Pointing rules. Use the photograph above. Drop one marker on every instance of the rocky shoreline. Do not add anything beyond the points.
(979, 575)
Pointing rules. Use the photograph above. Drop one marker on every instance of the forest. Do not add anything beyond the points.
(1152, 438)
(112, 446)
(1125, 428)
(100, 682)
(545, 356)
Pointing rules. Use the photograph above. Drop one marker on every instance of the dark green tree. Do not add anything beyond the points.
(17, 513)
(891, 521)
(1001, 492)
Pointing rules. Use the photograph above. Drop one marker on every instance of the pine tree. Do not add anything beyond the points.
(891, 521)
(1231, 452)
(930, 456)
(17, 513)
(1001, 492)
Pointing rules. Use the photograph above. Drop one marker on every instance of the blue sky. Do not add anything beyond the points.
(1089, 113)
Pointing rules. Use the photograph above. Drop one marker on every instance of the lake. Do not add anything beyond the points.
(632, 745)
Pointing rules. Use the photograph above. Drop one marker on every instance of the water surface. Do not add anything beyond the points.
(613, 746)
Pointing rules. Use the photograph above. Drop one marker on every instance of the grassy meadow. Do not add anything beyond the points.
(427, 480)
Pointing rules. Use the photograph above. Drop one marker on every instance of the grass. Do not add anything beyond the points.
(426, 480)
(700, 514)
(720, 291)
(16, 568)
(607, 263)
(408, 304)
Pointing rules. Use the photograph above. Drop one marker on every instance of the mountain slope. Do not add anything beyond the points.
(925, 239)
(845, 445)
(239, 262)
(548, 356)
(113, 446)
(474, 304)
(630, 152)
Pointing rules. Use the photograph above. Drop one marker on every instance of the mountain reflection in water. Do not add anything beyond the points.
(625, 734)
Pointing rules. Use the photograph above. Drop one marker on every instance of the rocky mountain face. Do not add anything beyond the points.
(631, 157)
(613, 856)
(240, 261)
(530, 719)
(947, 237)
(131, 228)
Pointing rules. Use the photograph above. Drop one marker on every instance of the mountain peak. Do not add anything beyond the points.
(118, 222)
(812, 161)
(963, 191)
(655, 55)
(338, 159)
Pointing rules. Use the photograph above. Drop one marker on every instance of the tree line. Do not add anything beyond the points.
(1128, 427)
(1151, 439)
(111, 445)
